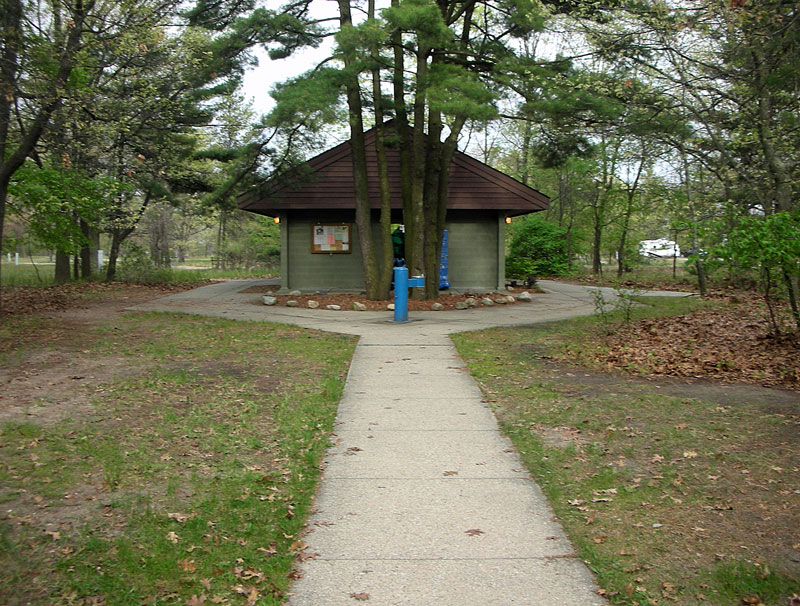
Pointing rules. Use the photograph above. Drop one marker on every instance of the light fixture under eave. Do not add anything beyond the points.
(276, 219)
(508, 219)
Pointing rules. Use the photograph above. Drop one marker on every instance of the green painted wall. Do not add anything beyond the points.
(473, 250)
(475, 244)
(312, 272)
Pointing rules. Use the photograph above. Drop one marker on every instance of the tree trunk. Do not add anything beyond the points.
(86, 251)
(62, 274)
(526, 151)
(387, 251)
(597, 234)
(433, 169)
(791, 286)
(221, 236)
(773, 164)
(113, 254)
(445, 152)
(363, 211)
(698, 264)
(415, 240)
(3, 194)
(403, 130)
(623, 238)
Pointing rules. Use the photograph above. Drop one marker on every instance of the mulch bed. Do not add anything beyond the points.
(345, 300)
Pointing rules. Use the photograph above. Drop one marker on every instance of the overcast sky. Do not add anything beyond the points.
(259, 80)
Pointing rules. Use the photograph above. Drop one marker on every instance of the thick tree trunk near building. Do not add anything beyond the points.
(385, 221)
(431, 203)
(359, 150)
(415, 240)
(436, 204)
(403, 129)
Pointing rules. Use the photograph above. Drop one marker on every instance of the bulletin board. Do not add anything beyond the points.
(331, 238)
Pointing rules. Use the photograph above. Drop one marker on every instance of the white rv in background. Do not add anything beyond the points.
(661, 248)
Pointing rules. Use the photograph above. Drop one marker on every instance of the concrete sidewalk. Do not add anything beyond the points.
(423, 501)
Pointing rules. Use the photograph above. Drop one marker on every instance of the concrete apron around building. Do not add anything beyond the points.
(423, 501)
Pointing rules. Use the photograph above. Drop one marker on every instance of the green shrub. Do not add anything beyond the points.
(137, 267)
(537, 248)
(518, 268)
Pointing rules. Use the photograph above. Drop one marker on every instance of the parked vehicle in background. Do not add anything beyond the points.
(660, 248)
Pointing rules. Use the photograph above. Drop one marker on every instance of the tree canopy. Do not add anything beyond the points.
(639, 119)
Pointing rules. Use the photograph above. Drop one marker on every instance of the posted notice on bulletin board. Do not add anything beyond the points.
(330, 238)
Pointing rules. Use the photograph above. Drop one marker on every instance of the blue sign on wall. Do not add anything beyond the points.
(443, 280)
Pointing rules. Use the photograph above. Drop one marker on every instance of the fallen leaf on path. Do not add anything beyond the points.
(360, 596)
(474, 532)
(302, 557)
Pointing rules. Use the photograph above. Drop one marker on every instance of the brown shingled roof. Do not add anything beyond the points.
(326, 182)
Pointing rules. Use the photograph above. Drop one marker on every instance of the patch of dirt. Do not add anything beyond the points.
(52, 377)
(560, 437)
(346, 300)
(49, 386)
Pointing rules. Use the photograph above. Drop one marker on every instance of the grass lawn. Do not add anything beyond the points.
(26, 273)
(673, 493)
(42, 273)
(159, 459)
